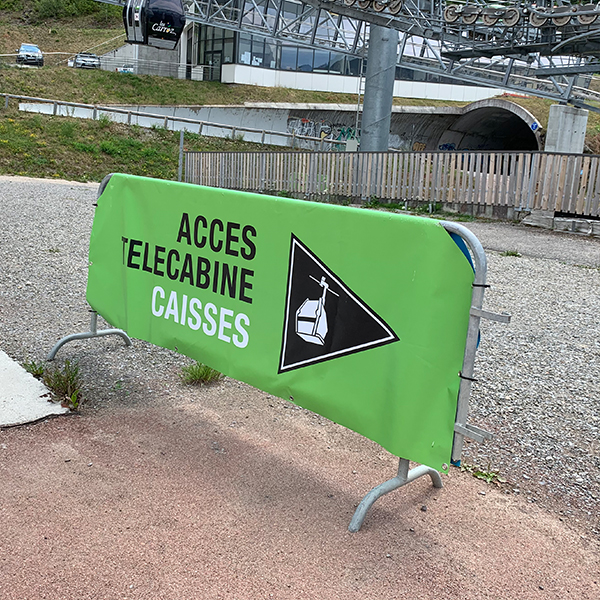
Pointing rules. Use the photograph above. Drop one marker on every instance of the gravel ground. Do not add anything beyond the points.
(538, 377)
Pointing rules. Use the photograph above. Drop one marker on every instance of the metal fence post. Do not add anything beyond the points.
(180, 171)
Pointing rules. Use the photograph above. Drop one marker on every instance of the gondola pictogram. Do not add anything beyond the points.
(324, 318)
(311, 317)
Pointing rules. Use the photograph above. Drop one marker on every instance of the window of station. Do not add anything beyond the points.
(305, 59)
(289, 58)
(337, 63)
(215, 40)
(321, 64)
(257, 52)
(354, 66)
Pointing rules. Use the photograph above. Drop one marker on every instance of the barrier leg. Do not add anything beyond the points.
(93, 332)
(404, 476)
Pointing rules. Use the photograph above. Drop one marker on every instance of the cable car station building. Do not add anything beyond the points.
(233, 57)
(210, 53)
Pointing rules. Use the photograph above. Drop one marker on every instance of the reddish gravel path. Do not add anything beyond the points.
(228, 493)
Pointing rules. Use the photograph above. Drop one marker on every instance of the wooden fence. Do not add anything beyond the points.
(568, 183)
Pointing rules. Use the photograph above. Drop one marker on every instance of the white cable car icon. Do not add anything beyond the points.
(311, 318)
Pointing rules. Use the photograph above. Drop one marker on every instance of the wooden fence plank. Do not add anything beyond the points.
(520, 168)
(490, 196)
(510, 180)
(594, 162)
(482, 178)
(585, 172)
(576, 175)
(543, 172)
(595, 200)
(564, 185)
(451, 177)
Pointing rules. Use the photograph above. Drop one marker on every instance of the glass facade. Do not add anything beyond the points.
(309, 60)
(220, 46)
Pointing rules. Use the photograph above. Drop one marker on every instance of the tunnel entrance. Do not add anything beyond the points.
(492, 125)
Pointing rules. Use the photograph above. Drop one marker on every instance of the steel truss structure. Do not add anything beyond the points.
(545, 51)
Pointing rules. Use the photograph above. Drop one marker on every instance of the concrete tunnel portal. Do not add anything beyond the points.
(495, 124)
(487, 125)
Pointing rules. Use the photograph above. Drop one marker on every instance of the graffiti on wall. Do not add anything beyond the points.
(323, 129)
(452, 147)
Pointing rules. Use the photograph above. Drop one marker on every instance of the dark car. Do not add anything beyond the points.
(86, 60)
(30, 54)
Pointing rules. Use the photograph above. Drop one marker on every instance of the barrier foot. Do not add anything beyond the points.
(404, 476)
(92, 333)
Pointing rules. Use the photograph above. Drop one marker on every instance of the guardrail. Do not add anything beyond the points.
(132, 117)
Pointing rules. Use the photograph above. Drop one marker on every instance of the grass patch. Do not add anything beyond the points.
(199, 373)
(510, 253)
(85, 150)
(64, 382)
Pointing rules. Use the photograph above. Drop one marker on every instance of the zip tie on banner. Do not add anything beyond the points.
(465, 377)
(483, 285)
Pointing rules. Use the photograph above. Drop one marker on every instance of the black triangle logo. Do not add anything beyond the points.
(324, 318)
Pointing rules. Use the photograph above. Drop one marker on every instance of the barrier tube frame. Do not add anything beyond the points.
(461, 429)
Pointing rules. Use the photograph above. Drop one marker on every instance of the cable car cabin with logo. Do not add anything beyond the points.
(157, 23)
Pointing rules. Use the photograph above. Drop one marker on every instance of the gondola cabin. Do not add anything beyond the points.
(311, 318)
(157, 23)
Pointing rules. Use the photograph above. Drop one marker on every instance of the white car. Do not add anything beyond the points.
(30, 54)
(86, 60)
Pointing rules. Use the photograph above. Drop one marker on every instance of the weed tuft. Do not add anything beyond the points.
(510, 253)
(65, 383)
(36, 369)
(486, 474)
(199, 373)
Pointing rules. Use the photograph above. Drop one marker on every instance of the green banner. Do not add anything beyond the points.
(360, 316)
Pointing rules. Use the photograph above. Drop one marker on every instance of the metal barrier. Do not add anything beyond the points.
(521, 181)
(188, 295)
(133, 117)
